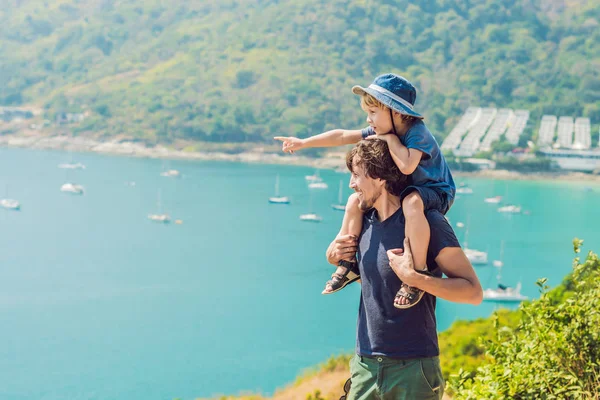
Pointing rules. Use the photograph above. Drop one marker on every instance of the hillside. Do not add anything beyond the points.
(234, 71)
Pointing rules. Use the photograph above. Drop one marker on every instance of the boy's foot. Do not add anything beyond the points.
(346, 273)
(409, 296)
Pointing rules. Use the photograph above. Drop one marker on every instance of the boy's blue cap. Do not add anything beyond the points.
(392, 91)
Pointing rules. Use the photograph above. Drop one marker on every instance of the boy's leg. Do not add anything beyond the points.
(351, 225)
(417, 231)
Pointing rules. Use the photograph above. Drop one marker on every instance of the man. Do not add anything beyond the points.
(397, 349)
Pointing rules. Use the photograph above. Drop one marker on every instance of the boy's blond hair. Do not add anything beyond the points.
(366, 100)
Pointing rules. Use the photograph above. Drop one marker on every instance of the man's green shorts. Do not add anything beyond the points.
(385, 378)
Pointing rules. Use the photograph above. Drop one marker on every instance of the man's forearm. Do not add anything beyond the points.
(458, 290)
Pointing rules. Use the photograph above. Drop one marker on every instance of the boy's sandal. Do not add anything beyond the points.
(413, 294)
(340, 281)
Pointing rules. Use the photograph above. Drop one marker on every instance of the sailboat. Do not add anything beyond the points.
(503, 293)
(160, 217)
(170, 173)
(493, 200)
(311, 216)
(510, 208)
(10, 204)
(476, 257)
(277, 199)
(71, 187)
(71, 164)
(314, 177)
(339, 206)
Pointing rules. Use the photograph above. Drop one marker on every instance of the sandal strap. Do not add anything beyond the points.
(349, 265)
(407, 295)
(409, 292)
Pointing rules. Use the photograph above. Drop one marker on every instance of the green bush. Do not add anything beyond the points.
(553, 351)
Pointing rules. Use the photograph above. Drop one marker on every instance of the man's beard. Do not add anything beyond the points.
(367, 204)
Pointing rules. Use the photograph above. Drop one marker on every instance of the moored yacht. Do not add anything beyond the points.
(172, 173)
(476, 257)
(493, 200)
(339, 206)
(71, 165)
(317, 185)
(277, 199)
(10, 204)
(503, 293)
(510, 208)
(162, 218)
(72, 188)
(311, 217)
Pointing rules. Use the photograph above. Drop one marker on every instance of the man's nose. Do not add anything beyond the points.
(369, 120)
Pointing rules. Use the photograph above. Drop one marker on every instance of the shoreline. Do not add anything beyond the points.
(332, 160)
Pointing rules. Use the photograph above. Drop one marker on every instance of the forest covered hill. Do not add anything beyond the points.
(235, 71)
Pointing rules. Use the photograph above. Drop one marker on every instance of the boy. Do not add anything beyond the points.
(389, 102)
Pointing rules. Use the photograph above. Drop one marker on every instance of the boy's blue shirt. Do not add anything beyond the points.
(432, 171)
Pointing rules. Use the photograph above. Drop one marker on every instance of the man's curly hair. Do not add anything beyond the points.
(374, 156)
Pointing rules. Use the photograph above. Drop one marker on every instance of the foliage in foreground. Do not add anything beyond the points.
(553, 351)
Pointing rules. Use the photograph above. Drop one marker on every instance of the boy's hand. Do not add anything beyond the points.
(386, 137)
(290, 144)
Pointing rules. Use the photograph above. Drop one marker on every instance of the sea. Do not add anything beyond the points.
(99, 302)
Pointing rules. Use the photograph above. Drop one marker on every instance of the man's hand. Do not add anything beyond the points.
(401, 262)
(342, 248)
(290, 144)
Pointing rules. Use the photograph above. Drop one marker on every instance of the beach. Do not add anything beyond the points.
(259, 154)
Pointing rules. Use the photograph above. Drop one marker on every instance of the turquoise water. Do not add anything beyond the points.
(97, 302)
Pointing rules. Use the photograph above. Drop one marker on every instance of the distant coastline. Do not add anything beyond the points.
(259, 155)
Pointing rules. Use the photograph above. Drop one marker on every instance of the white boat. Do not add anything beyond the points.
(510, 208)
(10, 204)
(460, 225)
(464, 190)
(493, 200)
(277, 199)
(311, 217)
(317, 185)
(72, 188)
(503, 293)
(71, 165)
(160, 216)
(476, 257)
(172, 173)
(339, 206)
(313, 178)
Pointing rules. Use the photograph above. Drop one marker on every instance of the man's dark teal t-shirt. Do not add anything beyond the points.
(383, 329)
